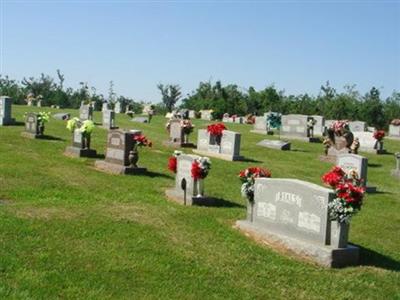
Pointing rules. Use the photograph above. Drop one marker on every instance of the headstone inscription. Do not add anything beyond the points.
(297, 126)
(108, 119)
(294, 213)
(80, 145)
(368, 143)
(187, 190)
(119, 153)
(357, 126)
(5, 111)
(353, 162)
(396, 172)
(228, 148)
(275, 144)
(86, 112)
(32, 129)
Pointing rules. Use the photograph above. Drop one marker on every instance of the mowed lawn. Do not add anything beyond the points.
(70, 231)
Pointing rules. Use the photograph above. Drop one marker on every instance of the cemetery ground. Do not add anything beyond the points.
(70, 231)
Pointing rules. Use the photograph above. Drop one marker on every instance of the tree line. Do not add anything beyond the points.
(348, 104)
(53, 92)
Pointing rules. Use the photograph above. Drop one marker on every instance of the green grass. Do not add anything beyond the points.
(70, 231)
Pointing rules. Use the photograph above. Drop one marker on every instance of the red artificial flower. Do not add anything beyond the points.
(350, 193)
(254, 172)
(216, 129)
(379, 134)
(196, 171)
(172, 164)
(333, 177)
(141, 140)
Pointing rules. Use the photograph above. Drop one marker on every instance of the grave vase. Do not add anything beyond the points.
(379, 145)
(250, 210)
(41, 129)
(85, 141)
(133, 157)
(198, 188)
(339, 234)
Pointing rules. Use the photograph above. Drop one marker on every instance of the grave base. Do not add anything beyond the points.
(270, 132)
(301, 138)
(178, 145)
(7, 122)
(178, 196)
(31, 135)
(219, 155)
(275, 144)
(371, 189)
(396, 173)
(323, 255)
(78, 152)
(107, 167)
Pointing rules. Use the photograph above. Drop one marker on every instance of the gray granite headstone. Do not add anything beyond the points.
(31, 123)
(295, 214)
(396, 172)
(108, 119)
(104, 106)
(394, 131)
(357, 126)
(117, 107)
(319, 126)
(275, 144)
(349, 162)
(367, 141)
(62, 116)
(295, 126)
(175, 131)
(202, 140)
(260, 124)
(5, 111)
(230, 143)
(141, 119)
(86, 112)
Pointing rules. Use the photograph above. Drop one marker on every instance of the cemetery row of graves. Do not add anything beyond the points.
(296, 183)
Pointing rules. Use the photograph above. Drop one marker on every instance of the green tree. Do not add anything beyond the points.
(170, 93)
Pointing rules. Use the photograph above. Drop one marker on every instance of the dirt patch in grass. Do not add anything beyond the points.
(46, 213)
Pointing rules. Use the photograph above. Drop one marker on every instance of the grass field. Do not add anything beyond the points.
(70, 231)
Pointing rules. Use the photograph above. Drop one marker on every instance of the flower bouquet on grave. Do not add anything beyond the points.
(200, 169)
(85, 128)
(216, 130)
(248, 178)
(349, 194)
(42, 118)
(173, 161)
(339, 127)
(395, 122)
(139, 141)
(187, 128)
(379, 135)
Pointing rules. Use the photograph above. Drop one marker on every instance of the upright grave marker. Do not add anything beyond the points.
(297, 127)
(80, 145)
(32, 129)
(179, 132)
(108, 119)
(357, 126)
(396, 172)
(353, 162)
(85, 112)
(319, 126)
(119, 153)
(187, 191)
(5, 111)
(394, 129)
(294, 213)
(117, 107)
(368, 143)
(228, 148)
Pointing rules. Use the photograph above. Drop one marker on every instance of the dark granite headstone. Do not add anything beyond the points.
(119, 145)
(5, 111)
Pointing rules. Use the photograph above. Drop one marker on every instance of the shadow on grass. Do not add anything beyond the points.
(245, 159)
(51, 138)
(372, 258)
(17, 123)
(374, 165)
(100, 156)
(156, 174)
(219, 202)
(298, 150)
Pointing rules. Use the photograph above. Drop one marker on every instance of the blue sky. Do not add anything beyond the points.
(296, 45)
